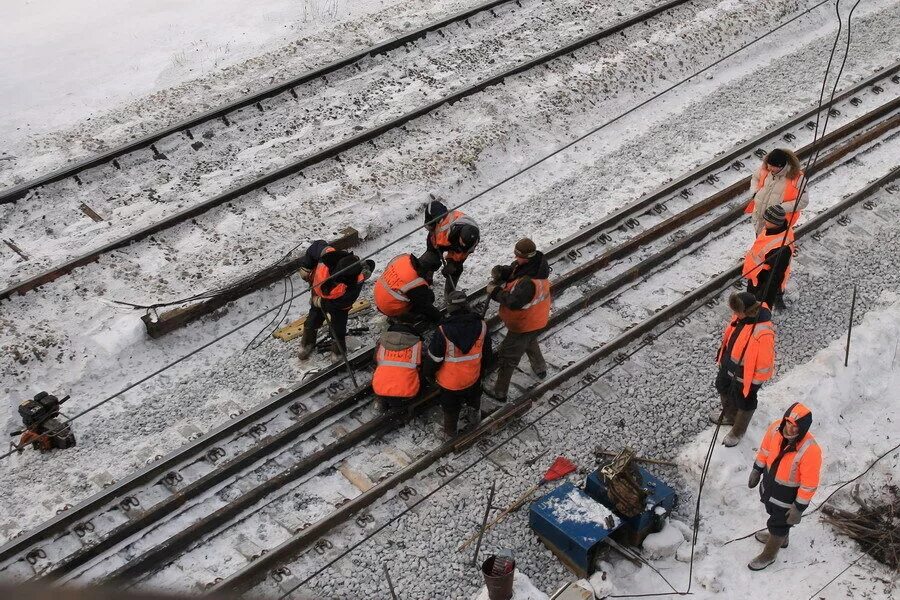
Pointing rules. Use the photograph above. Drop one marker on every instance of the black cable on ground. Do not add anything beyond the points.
(487, 190)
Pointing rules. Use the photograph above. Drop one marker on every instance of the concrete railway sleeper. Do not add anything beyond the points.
(196, 452)
(135, 566)
(332, 152)
(274, 560)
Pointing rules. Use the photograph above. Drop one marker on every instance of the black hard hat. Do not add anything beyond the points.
(468, 235)
(429, 261)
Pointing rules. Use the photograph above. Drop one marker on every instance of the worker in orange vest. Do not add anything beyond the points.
(767, 265)
(404, 289)
(459, 350)
(779, 181)
(398, 366)
(788, 464)
(746, 359)
(523, 292)
(452, 235)
(337, 278)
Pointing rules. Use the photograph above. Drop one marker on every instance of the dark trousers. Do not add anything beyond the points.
(769, 296)
(316, 319)
(452, 401)
(452, 280)
(511, 350)
(777, 523)
(732, 392)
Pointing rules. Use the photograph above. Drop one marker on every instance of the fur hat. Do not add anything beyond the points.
(743, 302)
(777, 158)
(525, 248)
(775, 214)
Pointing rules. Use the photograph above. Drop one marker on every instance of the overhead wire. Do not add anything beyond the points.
(483, 192)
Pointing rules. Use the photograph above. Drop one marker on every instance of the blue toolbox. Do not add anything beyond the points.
(621, 503)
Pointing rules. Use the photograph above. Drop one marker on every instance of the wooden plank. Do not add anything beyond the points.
(179, 317)
(294, 330)
(360, 480)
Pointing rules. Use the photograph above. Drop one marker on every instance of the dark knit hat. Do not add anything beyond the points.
(741, 302)
(775, 214)
(777, 158)
(457, 300)
(429, 261)
(525, 248)
(351, 264)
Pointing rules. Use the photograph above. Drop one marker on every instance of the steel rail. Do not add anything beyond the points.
(254, 571)
(14, 193)
(149, 474)
(183, 539)
(333, 151)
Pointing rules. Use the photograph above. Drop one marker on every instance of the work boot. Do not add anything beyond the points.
(741, 420)
(451, 423)
(726, 412)
(337, 352)
(763, 536)
(768, 555)
(490, 391)
(307, 343)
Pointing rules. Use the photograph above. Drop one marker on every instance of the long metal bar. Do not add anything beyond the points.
(254, 571)
(330, 152)
(361, 358)
(19, 191)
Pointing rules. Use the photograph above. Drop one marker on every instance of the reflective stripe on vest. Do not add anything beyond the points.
(755, 259)
(393, 301)
(460, 370)
(321, 274)
(532, 316)
(397, 376)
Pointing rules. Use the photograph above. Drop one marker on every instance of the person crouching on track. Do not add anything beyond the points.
(452, 236)
(523, 292)
(767, 265)
(457, 354)
(778, 182)
(337, 278)
(788, 464)
(404, 292)
(398, 370)
(746, 359)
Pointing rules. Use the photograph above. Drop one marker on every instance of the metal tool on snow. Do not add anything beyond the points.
(43, 429)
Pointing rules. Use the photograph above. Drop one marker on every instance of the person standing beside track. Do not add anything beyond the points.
(787, 464)
(452, 236)
(767, 265)
(458, 353)
(779, 181)
(337, 278)
(746, 359)
(523, 292)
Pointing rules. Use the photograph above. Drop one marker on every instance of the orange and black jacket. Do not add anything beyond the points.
(749, 358)
(790, 468)
(320, 253)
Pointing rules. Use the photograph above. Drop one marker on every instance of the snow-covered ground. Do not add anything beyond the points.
(64, 338)
(855, 414)
(77, 73)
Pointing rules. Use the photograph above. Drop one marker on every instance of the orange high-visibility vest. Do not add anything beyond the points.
(755, 260)
(795, 477)
(532, 316)
(754, 365)
(397, 371)
(440, 237)
(460, 370)
(791, 193)
(390, 290)
(322, 273)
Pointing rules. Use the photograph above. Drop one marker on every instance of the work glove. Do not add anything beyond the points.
(497, 272)
(368, 267)
(304, 273)
(316, 301)
(793, 515)
(754, 478)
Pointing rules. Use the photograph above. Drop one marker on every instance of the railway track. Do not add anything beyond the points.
(315, 154)
(257, 446)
